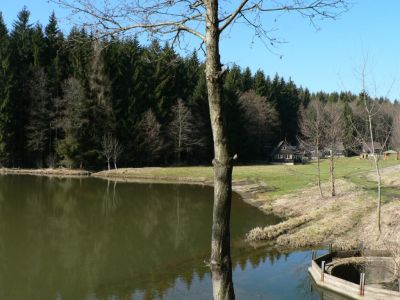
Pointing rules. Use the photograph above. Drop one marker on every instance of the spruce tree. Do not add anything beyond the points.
(21, 62)
(5, 96)
(39, 123)
(72, 122)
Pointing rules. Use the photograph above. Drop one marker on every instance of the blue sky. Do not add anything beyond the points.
(325, 59)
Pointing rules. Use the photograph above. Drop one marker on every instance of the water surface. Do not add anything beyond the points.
(92, 239)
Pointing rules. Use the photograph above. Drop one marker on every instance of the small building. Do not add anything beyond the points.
(389, 153)
(286, 153)
(368, 147)
(338, 150)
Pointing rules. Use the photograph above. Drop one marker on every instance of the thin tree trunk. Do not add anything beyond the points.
(378, 175)
(220, 263)
(332, 171)
(319, 172)
(115, 165)
(379, 182)
(108, 165)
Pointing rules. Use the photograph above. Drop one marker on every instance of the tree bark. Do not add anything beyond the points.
(378, 174)
(319, 171)
(220, 263)
(332, 171)
(379, 180)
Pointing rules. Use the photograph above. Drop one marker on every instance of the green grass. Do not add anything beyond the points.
(280, 179)
(285, 179)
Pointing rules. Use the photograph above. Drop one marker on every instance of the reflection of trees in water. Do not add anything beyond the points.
(75, 237)
(110, 199)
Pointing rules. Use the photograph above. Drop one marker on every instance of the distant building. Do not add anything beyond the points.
(367, 149)
(338, 150)
(286, 153)
(390, 153)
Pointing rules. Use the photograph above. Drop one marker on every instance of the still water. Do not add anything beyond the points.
(92, 239)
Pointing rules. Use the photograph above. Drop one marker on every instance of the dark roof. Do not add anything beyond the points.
(368, 146)
(336, 147)
(289, 148)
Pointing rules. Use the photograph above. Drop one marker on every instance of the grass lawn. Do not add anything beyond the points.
(285, 179)
(282, 179)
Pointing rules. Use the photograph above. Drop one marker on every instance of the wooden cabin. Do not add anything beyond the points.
(338, 150)
(286, 153)
(367, 149)
(390, 153)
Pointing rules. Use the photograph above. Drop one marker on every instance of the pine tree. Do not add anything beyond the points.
(39, 124)
(5, 97)
(72, 122)
(247, 80)
(98, 108)
(54, 56)
(260, 84)
(21, 62)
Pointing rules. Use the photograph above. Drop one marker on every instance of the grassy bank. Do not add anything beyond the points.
(290, 192)
(279, 179)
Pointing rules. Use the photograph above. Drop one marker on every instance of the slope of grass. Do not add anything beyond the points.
(280, 179)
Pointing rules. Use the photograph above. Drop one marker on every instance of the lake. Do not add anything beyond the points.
(93, 239)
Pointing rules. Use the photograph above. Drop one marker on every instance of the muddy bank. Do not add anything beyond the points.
(59, 172)
(146, 175)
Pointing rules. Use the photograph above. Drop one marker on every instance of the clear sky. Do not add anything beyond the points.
(325, 59)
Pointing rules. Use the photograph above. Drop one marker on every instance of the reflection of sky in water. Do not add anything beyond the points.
(282, 278)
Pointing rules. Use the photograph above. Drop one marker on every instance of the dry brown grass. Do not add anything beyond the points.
(46, 172)
(315, 221)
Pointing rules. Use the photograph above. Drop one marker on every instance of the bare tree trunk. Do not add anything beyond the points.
(220, 263)
(319, 171)
(108, 164)
(115, 165)
(332, 171)
(379, 182)
(378, 174)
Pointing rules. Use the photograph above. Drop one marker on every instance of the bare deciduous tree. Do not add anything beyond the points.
(334, 132)
(107, 145)
(150, 137)
(183, 130)
(116, 152)
(207, 20)
(262, 119)
(373, 127)
(312, 133)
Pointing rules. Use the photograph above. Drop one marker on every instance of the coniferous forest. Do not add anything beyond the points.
(67, 100)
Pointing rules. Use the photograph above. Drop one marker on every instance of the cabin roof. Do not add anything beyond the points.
(368, 146)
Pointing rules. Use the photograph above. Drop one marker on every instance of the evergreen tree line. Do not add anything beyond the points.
(68, 100)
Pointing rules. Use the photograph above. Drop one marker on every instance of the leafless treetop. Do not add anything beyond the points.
(172, 18)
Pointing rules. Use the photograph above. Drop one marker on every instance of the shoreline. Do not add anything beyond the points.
(345, 220)
(59, 172)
